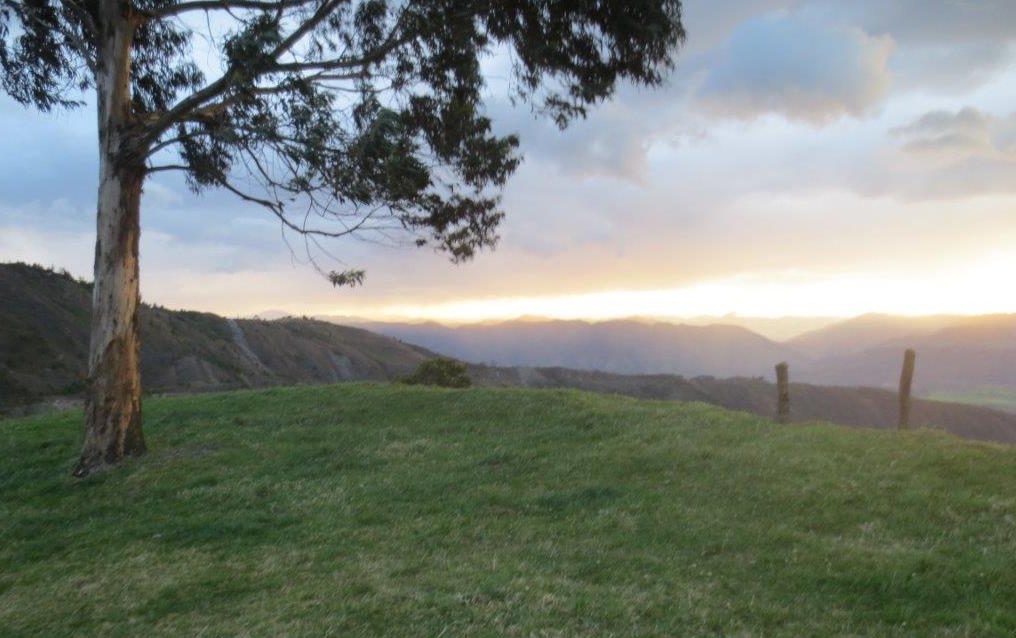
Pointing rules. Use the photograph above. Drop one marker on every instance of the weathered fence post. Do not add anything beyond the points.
(782, 392)
(906, 381)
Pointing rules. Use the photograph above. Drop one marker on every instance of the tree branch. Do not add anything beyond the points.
(167, 167)
(86, 17)
(229, 78)
(277, 210)
(210, 5)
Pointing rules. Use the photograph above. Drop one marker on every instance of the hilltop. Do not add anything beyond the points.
(360, 509)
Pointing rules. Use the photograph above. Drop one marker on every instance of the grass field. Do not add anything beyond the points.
(372, 510)
(998, 398)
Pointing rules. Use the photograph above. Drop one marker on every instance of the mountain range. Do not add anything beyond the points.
(44, 327)
(955, 353)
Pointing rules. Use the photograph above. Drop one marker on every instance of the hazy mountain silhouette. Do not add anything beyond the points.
(970, 353)
(954, 353)
(866, 331)
(624, 346)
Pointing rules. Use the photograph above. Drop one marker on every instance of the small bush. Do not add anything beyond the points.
(446, 373)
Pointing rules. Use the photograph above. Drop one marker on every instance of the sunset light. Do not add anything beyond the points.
(977, 288)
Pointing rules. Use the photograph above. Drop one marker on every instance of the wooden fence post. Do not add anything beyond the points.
(782, 392)
(906, 381)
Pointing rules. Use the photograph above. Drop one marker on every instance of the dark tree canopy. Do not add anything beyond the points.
(341, 117)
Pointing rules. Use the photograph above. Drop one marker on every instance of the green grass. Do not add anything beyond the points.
(989, 397)
(366, 510)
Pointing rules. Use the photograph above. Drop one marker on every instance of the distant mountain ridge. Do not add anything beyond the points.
(968, 353)
(954, 353)
(854, 335)
(44, 321)
(619, 346)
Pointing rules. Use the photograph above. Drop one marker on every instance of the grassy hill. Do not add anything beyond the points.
(370, 510)
(44, 331)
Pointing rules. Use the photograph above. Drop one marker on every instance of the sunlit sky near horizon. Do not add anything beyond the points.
(806, 158)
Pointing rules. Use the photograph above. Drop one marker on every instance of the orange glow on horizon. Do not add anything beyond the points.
(983, 287)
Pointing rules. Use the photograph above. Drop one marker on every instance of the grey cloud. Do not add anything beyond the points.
(942, 155)
(710, 23)
(933, 22)
(811, 61)
(966, 133)
(798, 65)
(949, 68)
(943, 45)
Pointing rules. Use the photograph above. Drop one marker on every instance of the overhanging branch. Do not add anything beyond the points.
(212, 5)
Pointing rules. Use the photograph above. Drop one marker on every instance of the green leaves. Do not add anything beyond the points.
(41, 63)
(344, 118)
(350, 278)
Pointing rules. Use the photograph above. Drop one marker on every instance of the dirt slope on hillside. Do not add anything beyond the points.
(44, 321)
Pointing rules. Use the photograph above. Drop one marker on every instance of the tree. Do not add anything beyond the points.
(340, 117)
(442, 372)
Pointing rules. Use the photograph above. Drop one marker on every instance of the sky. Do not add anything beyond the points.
(805, 158)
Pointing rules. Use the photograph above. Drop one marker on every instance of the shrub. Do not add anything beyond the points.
(446, 373)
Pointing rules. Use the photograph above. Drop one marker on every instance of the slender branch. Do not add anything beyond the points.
(210, 5)
(374, 55)
(26, 12)
(167, 167)
(82, 13)
(308, 25)
(232, 75)
(277, 210)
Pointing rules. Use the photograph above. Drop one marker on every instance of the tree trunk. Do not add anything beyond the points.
(113, 400)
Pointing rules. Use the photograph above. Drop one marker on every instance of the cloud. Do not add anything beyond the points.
(947, 154)
(159, 194)
(798, 65)
(805, 61)
(964, 134)
(944, 46)
(794, 135)
(933, 22)
(954, 68)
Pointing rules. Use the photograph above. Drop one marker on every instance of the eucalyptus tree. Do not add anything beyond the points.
(339, 117)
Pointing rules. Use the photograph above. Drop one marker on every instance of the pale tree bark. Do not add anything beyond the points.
(113, 400)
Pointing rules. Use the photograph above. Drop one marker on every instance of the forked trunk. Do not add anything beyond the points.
(113, 400)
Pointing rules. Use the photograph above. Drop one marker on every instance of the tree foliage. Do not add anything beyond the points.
(341, 117)
(441, 372)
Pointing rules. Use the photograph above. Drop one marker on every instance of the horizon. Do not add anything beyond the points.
(873, 175)
(779, 328)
